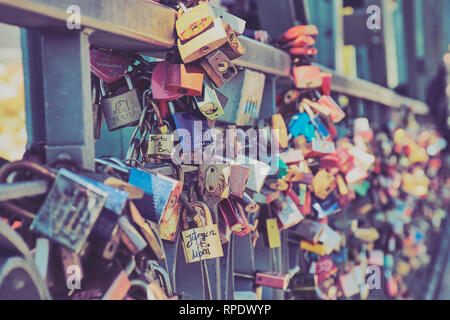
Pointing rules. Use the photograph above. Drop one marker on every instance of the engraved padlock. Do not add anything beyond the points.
(160, 145)
(203, 241)
(122, 110)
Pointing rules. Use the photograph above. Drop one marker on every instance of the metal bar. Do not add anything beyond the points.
(131, 25)
(369, 91)
(19, 190)
(66, 76)
(264, 58)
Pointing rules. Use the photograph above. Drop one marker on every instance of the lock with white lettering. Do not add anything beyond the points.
(123, 109)
(200, 236)
(218, 67)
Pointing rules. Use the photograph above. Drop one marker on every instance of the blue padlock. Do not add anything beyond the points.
(161, 193)
(301, 125)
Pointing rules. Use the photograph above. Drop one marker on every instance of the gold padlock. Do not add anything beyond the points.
(160, 145)
(204, 43)
(233, 48)
(279, 131)
(194, 21)
(202, 242)
(323, 183)
(168, 226)
(273, 233)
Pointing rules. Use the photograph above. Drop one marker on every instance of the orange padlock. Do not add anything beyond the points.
(185, 79)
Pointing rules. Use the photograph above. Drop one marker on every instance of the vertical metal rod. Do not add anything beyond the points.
(67, 83)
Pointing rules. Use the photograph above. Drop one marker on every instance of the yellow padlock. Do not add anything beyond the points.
(194, 21)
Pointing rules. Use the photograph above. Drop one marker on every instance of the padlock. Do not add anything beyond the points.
(307, 77)
(149, 230)
(314, 248)
(280, 185)
(280, 131)
(168, 227)
(193, 21)
(161, 194)
(204, 43)
(234, 217)
(185, 79)
(325, 268)
(295, 32)
(328, 206)
(236, 23)
(109, 66)
(249, 205)
(269, 229)
(266, 195)
(122, 110)
(202, 242)
(318, 123)
(70, 210)
(233, 49)
(97, 114)
(292, 156)
(214, 180)
(160, 77)
(325, 89)
(160, 145)
(106, 284)
(239, 175)
(218, 67)
(324, 183)
(336, 113)
(194, 130)
(258, 174)
(308, 230)
(245, 94)
(104, 238)
(301, 124)
(290, 214)
(130, 237)
(272, 280)
(211, 103)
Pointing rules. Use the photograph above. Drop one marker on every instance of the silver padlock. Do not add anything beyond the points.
(122, 110)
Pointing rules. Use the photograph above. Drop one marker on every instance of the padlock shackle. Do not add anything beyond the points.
(128, 80)
(102, 88)
(156, 268)
(24, 165)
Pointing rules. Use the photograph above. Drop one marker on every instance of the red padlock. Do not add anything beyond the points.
(159, 83)
(297, 31)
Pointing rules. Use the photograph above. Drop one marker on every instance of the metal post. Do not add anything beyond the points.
(66, 79)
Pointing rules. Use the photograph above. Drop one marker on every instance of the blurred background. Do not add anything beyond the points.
(408, 54)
